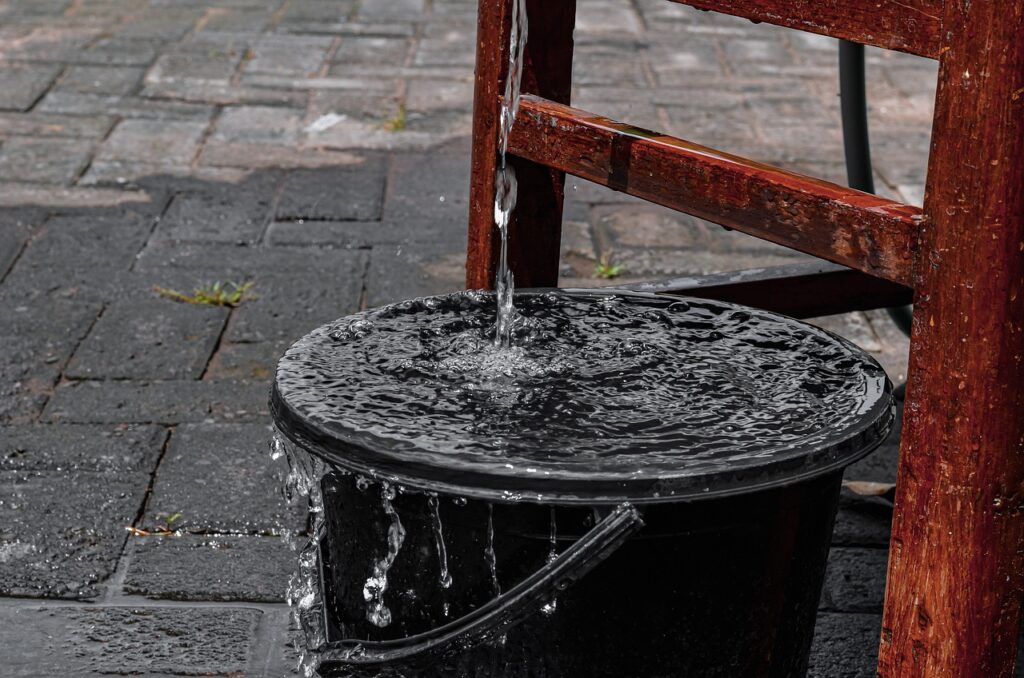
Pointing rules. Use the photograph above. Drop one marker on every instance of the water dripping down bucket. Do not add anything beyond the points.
(640, 486)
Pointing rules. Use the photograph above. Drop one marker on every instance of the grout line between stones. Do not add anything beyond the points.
(364, 278)
(168, 201)
(217, 344)
(205, 136)
(117, 579)
(61, 377)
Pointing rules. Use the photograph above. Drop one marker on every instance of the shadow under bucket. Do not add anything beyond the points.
(643, 486)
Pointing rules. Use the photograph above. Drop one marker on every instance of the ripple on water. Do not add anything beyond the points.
(627, 384)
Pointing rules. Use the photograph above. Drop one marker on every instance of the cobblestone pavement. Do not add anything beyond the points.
(319, 149)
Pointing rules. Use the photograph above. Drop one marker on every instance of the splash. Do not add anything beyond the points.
(489, 554)
(377, 613)
(442, 552)
(553, 538)
(303, 592)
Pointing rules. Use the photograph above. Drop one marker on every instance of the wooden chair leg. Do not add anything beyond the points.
(953, 599)
(535, 228)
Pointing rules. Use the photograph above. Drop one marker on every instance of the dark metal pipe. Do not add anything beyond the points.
(854, 107)
(853, 103)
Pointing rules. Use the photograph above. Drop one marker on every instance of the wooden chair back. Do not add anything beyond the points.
(955, 570)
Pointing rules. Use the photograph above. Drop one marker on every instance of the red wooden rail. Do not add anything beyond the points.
(856, 229)
(913, 26)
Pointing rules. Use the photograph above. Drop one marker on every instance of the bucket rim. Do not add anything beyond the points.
(819, 454)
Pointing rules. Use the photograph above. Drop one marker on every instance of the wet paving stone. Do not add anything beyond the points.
(255, 361)
(400, 272)
(220, 478)
(352, 193)
(855, 579)
(289, 305)
(295, 289)
(162, 402)
(80, 447)
(345, 234)
(881, 465)
(241, 262)
(16, 226)
(108, 240)
(429, 205)
(149, 641)
(157, 339)
(229, 214)
(845, 646)
(35, 341)
(240, 568)
(61, 534)
(862, 521)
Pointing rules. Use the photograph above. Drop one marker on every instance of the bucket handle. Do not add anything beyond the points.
(504, 611)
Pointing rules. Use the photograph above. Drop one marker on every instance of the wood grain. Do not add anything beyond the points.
(859, 230)
(913, 26)
(954, 587)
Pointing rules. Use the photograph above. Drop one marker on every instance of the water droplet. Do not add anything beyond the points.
(442, 552)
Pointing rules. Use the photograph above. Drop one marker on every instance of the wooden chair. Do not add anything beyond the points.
(953, 597)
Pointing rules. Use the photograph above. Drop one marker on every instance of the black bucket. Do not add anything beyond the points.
(708, 565)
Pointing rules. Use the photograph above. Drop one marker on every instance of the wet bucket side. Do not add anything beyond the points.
(712, 588)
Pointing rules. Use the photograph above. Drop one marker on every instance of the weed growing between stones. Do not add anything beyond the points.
(398, 122)
(607, 270)
(228, 294)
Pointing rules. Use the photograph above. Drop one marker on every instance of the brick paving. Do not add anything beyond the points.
(320, 149)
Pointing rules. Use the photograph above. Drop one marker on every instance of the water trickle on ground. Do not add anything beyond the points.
(506, 188)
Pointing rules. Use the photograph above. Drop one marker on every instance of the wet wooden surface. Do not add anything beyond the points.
(797, 290)
(954, 585)
(535, 228)
(855, 229)
(906, 25)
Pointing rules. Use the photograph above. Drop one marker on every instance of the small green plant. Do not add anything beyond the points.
(396, 123)
(229, 294)
(606, 269)
(164, 529)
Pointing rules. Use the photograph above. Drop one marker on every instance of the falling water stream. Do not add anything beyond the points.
(506, 186)
(303, 593)
(373, 590)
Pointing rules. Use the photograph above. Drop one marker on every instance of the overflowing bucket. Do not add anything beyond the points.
(638, 486)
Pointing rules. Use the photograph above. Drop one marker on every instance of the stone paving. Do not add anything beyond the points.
(318, 148)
